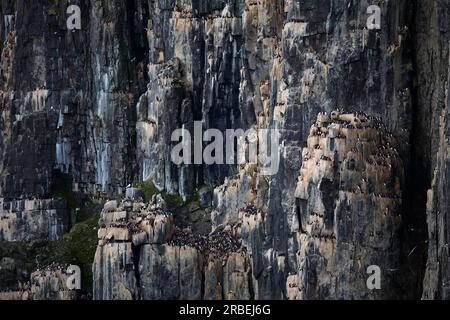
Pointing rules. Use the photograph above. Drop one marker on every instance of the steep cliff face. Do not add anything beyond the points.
(347, 218)
(430, 135)
(437, 277)
(85, 113)
(69, 97)
(349, 199)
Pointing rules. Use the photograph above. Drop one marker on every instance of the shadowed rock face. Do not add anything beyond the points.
(347, 219)
(98, 106)
(32, 220)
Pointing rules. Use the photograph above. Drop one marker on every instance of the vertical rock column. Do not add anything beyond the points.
(164, 108)
(348, 210)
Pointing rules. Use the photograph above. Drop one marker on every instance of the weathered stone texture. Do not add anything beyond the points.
(32, 220)
(99, 105)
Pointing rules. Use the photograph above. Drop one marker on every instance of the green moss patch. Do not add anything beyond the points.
(58, 8)
(76, 247)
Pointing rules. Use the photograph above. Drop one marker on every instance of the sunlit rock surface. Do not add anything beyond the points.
(348, 211)
(142, 255)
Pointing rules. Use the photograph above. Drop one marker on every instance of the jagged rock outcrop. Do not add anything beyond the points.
(431, 136)
(33, 220)
(113, 269)
(233, 195)
(349, 205)
(98, 106)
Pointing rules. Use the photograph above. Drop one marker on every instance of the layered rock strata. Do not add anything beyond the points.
(142, 255)
(349, 206)
(48, 283)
